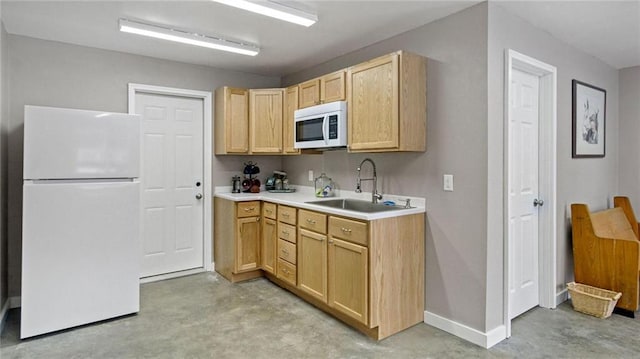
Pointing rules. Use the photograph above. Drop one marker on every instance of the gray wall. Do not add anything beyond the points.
(591, 181)
(55, 74)
(3, 166)
(630, 135)
(456, 144)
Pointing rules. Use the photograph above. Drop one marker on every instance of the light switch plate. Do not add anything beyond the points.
(311, 179)
(448, 183)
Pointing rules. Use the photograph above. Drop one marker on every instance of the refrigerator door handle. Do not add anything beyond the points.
(81, 180)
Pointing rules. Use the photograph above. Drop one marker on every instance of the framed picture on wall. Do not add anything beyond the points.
(589, 120)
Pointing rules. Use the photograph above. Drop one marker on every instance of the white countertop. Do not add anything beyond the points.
(305, 194)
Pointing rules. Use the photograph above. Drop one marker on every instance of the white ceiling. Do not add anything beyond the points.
(343, 26)
(604, 29)
(608, 30)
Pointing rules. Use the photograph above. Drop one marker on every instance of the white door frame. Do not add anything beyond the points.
(207, 149)
(547, 177)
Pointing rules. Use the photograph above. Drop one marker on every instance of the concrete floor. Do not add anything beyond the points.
(204, 316)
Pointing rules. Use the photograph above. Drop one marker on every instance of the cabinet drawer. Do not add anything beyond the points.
(287, 251)
(352, 231)
(287, 232)
(313, 221)
(287, 215)
(287, 272)
(269, 210)
(248, 209)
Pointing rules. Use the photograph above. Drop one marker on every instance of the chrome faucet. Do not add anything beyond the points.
(375, 196)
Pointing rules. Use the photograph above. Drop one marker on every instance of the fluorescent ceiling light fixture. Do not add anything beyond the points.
(185, 37)
(274, 9)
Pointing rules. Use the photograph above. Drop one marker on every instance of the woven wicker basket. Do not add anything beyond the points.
(591, 300)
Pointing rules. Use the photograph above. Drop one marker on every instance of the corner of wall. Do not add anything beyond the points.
(3, 173)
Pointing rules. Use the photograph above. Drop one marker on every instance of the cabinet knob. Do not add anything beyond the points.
(345, 230)
(311, 221)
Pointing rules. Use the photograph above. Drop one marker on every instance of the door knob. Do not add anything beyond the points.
(538, 202)
(199, 196)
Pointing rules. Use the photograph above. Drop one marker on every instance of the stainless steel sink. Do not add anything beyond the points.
(356, 205)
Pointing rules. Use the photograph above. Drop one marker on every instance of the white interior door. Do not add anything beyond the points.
(523, 191)
(172, 183)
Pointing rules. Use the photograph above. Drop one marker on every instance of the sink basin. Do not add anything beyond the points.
(356, 205)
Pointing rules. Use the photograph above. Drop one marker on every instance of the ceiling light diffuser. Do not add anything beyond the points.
(275, 10)
(191, 38)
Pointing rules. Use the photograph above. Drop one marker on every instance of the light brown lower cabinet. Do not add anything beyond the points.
(248, 244)
(369, 274)
(236, 245)
(312, 264)
(287, 251)
(268, 253)
(348, 284)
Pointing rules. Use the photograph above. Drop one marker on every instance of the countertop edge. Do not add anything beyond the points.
(280, 198)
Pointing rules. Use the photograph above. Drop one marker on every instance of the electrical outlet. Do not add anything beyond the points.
(311, 178)
(448, 183)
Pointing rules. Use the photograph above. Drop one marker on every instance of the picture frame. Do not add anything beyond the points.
(589, 111)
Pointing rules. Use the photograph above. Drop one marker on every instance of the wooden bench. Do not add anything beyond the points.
(625, 204)
(606, 252)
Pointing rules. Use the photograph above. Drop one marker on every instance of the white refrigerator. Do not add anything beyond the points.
(80, 219)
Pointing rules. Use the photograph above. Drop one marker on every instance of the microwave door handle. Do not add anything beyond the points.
(325, 129)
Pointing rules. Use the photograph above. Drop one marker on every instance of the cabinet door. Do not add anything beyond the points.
(332, 87)
(269, 239)
(231, 121)
(291, 105)
(348, 288)
(309, 93)
(312, 264)
(373, 104)
(247, 244)
(265, 118)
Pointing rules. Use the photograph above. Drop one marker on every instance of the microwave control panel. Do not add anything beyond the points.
(333, 127)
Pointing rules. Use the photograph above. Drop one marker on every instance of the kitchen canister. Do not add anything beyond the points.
(324, 186)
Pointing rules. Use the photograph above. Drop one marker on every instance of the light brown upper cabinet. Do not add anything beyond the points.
(265, 120)
(309, 93)
(332, 87)
(387, 108)
(249, 121)
(290, 106)
(328, 88)
(232, 121)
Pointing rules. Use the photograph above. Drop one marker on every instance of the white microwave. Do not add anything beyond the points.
(321, 126)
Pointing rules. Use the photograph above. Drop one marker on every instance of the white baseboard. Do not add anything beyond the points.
(3, 314)
(562, 297)
(485, 340)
